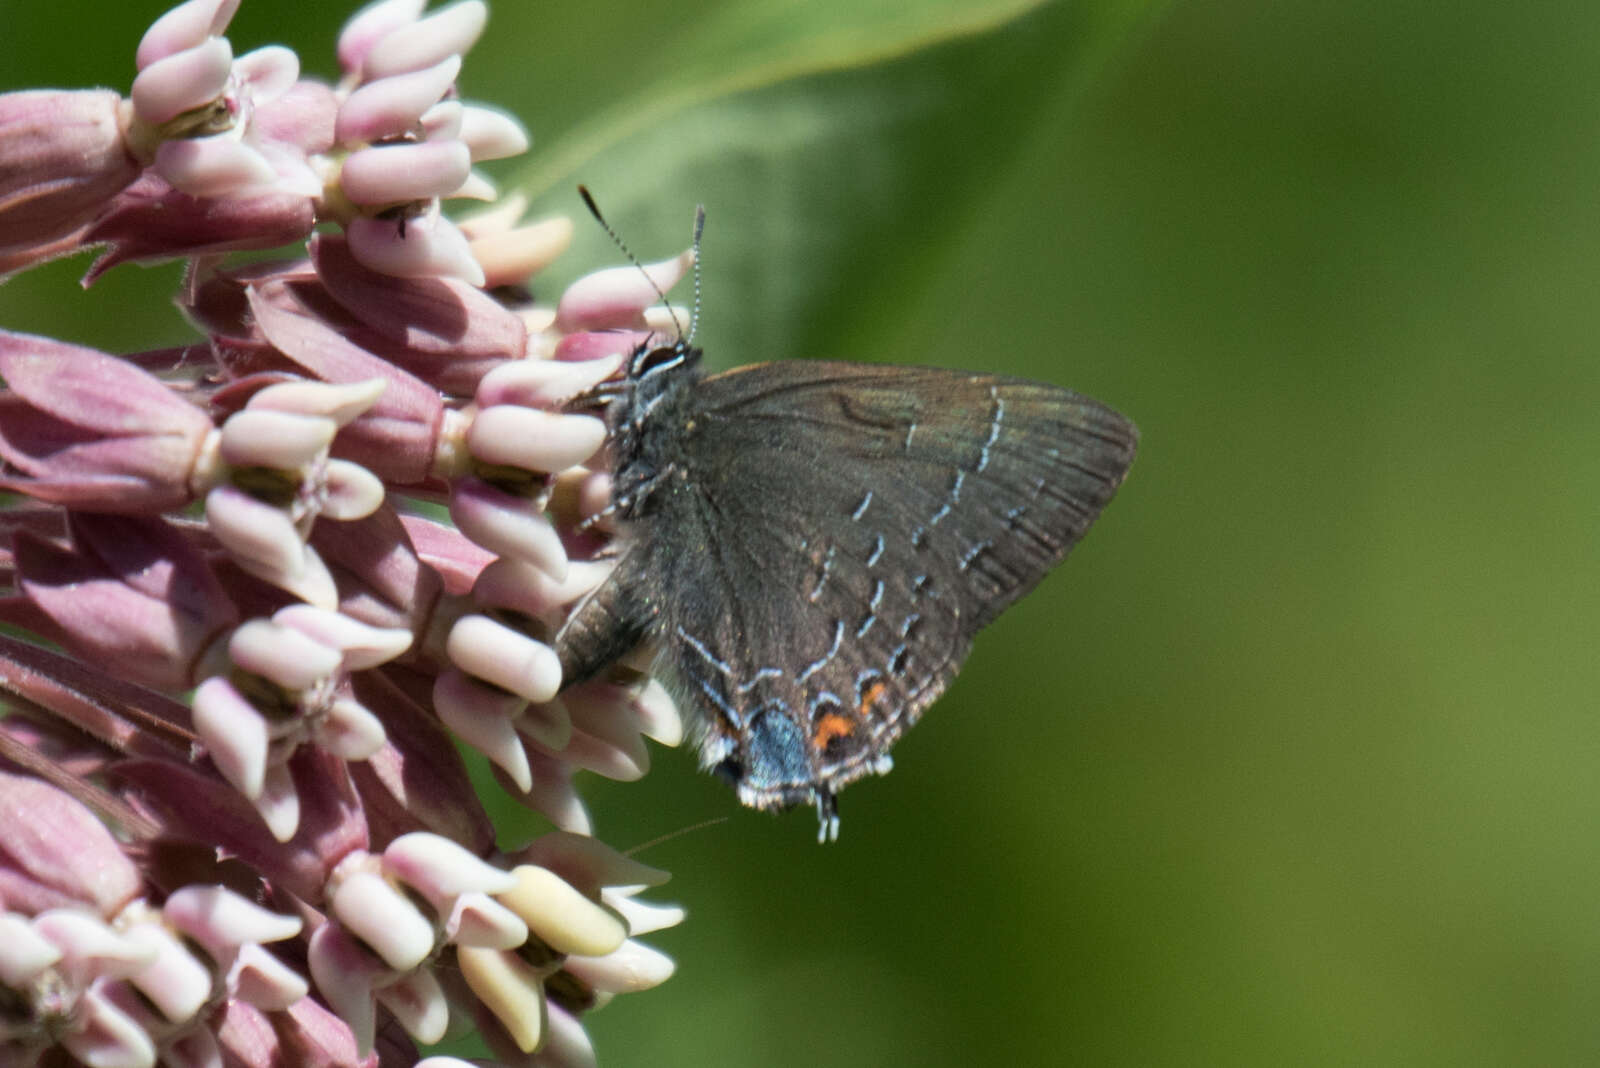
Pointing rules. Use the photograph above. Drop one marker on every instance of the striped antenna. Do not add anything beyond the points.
(699, 224)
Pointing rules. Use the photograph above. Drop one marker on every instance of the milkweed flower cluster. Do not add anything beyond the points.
(243, 636)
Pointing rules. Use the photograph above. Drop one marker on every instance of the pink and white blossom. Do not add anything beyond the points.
(243, 639)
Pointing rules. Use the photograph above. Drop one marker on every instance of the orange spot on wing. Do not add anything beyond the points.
(870, 695)
(831, 726)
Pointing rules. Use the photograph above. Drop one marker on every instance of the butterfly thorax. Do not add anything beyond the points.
(647, 422)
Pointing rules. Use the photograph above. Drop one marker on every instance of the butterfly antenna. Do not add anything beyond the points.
(670, 835)
(622, 246)
(699, 229)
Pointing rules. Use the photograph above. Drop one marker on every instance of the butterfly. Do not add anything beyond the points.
(812, 547)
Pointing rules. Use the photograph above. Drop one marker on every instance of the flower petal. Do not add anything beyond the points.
(182, 81)
(510, 988)
(184, 27)
(393, 106)
(566, 920)
(449, 30)
(430, 246)
(491, 651)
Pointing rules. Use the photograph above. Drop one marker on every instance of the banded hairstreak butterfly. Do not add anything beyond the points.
(812, 546)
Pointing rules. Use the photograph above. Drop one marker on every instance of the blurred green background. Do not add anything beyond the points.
(1294, 761)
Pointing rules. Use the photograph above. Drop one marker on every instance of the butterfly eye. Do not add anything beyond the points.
(658, 359)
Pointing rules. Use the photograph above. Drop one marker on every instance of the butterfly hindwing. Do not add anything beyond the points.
(805, 642)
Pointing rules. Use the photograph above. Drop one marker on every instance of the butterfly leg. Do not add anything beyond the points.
(827, 816)
(601, 516)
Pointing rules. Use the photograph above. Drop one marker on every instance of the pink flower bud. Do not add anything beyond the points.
(444, 331)
(234, 733)
(417, 1001)
(263, 980)
(543, 383)
(632, 967)
(267, 73)
(417, 781)
(345, 972)
(174, 982)
(342, 403)
(102, 1033)
(381, 581)
(135, 596)
(442, 122)
(194, 803)
(90, 431)
(395, 438)
(54, 853)
(385, 920)
(441, 870)
(534, 592)
(306, 1035)
(282, 440)
(589, 345)
(603, 742)
(62, 157)
(261, 536)
(152, 221)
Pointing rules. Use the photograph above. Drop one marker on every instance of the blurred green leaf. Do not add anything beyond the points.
(839, 150)
(745, 47)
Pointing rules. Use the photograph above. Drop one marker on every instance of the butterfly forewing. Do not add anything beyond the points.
(830, 538)
(988, 479)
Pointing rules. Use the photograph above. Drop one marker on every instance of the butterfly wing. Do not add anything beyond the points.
(841, 533)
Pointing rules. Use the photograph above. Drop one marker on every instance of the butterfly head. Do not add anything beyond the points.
(658, 363)
(646, 416)
(656, 373)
